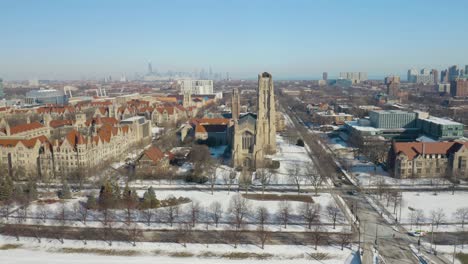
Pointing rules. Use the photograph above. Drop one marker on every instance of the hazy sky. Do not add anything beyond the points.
(290, 38)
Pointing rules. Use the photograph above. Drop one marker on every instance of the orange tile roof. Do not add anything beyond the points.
(25, 127)
(209, 121)
(75, 138)
(413, 149)
(60, 123)
(154, 154)
(29, 143)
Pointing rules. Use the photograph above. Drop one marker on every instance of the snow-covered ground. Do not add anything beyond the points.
(368, 174)
(205, 199)
(290, 156)
(428, 202)
(52, 251)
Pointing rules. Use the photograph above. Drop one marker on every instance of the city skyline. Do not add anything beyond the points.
(293, 40)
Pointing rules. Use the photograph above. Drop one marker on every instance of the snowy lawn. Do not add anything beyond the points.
(29, 251)
(429, 202)
(35, 212)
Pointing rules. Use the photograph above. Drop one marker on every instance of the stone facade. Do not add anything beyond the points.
(429, 160)
(255, 135)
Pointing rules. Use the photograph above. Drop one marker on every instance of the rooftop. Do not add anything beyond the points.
(441, 121)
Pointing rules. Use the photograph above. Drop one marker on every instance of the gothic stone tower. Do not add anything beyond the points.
(266, 114)
(235, 104)
(187, 100)
(255, 135)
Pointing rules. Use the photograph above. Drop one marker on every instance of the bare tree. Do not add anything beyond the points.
(419, 217)
(229, 178)
(437, 216)
(147, 214)
(233, 234)
(461, 214)
(284, 212)
(333, 212)
(184, 233)
(171, 213)
(22, 213)
(42, 212)
(310, 213)
(313, 177)
(194, 212)
(133, 233)
(264, 176)
(216, 211)
(61, 217)
(5, 210)
(83, 212)
(295, 177)
(345, 239)
(316, 235)
(262, 216)
(238, 209)
(263, 235)
(381, 186)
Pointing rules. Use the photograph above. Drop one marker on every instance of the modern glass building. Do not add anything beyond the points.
(392, 119)
(440, 128)
(46, 96)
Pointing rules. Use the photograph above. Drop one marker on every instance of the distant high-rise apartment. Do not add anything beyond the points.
(435, 75)
(466, 69)
(355, 77)
(325, 76)
(196, 86)
(459, 87)
(393, 85)
(424, 76)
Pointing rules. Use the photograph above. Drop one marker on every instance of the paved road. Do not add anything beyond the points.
(393, 245)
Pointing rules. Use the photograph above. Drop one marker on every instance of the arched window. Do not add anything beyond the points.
(247, 140)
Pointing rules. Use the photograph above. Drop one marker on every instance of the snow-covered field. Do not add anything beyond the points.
(429, 202)
(290, 156)
(52, 251)
(205, 199)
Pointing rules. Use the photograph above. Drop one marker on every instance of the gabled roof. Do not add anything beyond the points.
(414, 149)
(154, 154)
(75, 138)
(25, 127)
(60, 123)
(29, 143)
(209, 121)
(210, 128)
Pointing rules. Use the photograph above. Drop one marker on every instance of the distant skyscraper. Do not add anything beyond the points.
(453, 73)
(425, 76)
(325, 76)
(1, 88)
(466, 69)
(150, 68)
(435, 75)
(444, 76)
(412, 73)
